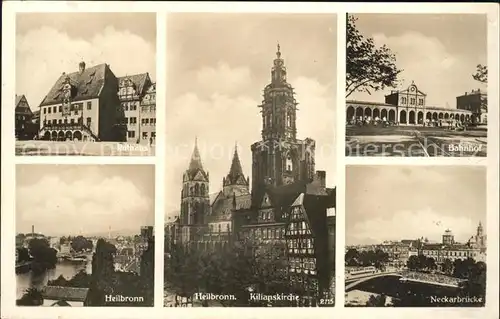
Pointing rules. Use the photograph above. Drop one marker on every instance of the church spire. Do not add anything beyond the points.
(236, 169)
(195, 163)
(278, 53)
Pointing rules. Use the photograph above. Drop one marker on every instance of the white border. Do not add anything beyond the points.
(8, 159)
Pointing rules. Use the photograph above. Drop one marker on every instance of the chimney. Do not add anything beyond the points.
(81, 67)
(32, 230)
(320, 177)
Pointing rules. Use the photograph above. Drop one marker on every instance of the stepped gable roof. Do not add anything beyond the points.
(85, 85)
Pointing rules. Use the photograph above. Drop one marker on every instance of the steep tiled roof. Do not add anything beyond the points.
(85, 85)
(65, 293)
(18, 99)
(222, 207)
(139, 80)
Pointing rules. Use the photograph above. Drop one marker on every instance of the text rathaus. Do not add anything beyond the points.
(288, 207)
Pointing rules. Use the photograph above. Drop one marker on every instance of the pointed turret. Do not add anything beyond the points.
(235, 181)
(236, 169)
(195, 163)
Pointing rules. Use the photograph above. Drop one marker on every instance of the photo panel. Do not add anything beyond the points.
(415, 236)
(416, 85)
(250, 149)
(85, 235)
(85, 90)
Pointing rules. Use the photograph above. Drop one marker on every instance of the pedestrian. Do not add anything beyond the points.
(150, 141)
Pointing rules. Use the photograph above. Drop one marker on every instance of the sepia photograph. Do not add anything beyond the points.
(416, 85)
(419, 241)
(250, 160)
(84, 235)
(85, 84)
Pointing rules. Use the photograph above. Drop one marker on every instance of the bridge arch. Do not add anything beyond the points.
(356, 282)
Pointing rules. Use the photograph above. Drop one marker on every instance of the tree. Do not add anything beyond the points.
(376, 301)
(23, 255)
(447, 266)
(81, 243)
(481, 74)
(413, 263)
(367, 67)
(44, 257)
(352, 257)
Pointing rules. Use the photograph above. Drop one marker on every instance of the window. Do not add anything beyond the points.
(144, 135)
(89, 105)
(44, 111)
(54, 109)
(420, 101)
(403, 100)
(60, 121)
(65, 121)
(289, 165)
(54, 121)
(60, 108)
(153, 134)
(72, 121)
(131, 134)
(133, 120)
(412, 101)
(89, 121)
(50, 109)
(146, 121)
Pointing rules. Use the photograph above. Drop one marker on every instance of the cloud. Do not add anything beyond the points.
(43, 54)
(58, 205)
(410, 225)
(437, 71)
(220, 112)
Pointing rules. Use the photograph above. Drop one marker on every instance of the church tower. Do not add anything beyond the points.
(195, 203)
(480, 239)
(235, 182)
(280, 158)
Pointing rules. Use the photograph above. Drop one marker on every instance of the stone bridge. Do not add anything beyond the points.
(435, 280)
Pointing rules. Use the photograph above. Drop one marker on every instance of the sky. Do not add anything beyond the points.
(84, 199)
(408, 202)
(438, 52)
(217, 67)
(48, 44)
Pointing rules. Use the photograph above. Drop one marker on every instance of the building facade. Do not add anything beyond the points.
(475, 247)
(82, 106)
(475, 101)
(24, 128)
(409, 107)
(93, 104)
(137, 95)
(288, 210)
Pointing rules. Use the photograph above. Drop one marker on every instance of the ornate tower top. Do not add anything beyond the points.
(195, 163)
(278, 53)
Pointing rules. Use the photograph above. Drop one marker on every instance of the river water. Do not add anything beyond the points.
(67, 269)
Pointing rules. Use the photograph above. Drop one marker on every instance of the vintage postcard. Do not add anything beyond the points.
(408, 243)
(416, 85)
(87, 91)
(84, 235)
(250, 138)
